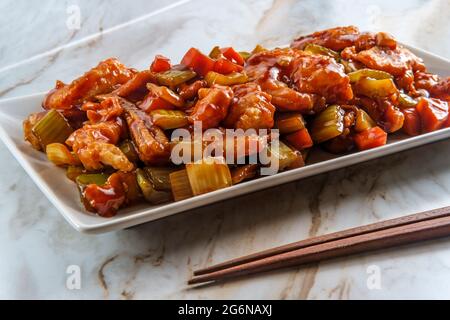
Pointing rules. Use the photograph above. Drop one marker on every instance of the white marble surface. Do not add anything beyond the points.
(155, 260)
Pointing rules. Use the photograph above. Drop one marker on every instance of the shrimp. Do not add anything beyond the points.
(318, 74)
(251, 108)
(395, 62)
(99, 153)
(213, 107)
(94, 145)
(109, 109)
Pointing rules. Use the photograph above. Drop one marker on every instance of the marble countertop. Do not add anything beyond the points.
(154, 261)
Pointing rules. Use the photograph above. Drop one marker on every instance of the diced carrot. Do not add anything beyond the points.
(433, 113)
(232, 55)
(225, 66)
(160, 64)
(370, 138)
(411, 125)
(198, 62)
(300, 139)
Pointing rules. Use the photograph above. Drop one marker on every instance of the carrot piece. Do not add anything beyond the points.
(370, 138)
(433, 113)
(411, 124)
(300, 139)
(160, 64)
(198, 62)
(232, 55)
(225, 66)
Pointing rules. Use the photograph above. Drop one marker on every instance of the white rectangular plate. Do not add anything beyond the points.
(64, 195)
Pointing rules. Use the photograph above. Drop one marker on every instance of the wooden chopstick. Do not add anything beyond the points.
(417, 227)
(426, 215)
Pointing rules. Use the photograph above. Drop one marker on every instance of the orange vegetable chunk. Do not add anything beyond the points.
(433, 113)
(370, 138)
(300, 139)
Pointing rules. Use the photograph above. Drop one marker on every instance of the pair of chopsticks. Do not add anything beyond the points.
(421, 226)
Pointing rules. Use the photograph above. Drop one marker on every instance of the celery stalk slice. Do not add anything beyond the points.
(52, 128)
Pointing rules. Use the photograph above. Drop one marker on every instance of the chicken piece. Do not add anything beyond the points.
(167, 95)
(335, 38)
(270, 64)
(153, 102)
(99, 80)
(321, 75)
(251, 108)
(212, 108)
(28, 125)
(271, 70)
(238, 146)
(94, 145)
(348, 54)
(367, 40)
(384, 39)
(152, 144)
(190, 91)
(109, 132)
(287, 99)
(107, 199)
(406, 82)
(383, 112)
(109, 109)
(425, 80)
(441, 89)
(364, 41)
(75, 116)
(136, 88)
(395, 62)
(97, 154)
(342, 37)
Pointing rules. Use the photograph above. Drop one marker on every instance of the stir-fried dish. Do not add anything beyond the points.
(339, 89)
